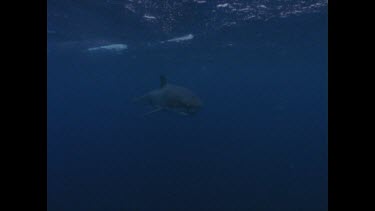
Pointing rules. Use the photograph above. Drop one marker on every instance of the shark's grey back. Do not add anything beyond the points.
(177, 96)
(173, 91)
(172, 97)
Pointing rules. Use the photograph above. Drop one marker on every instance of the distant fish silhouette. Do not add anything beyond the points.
(172, 98)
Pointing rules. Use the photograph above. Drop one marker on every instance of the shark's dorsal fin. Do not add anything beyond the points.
(163, 81)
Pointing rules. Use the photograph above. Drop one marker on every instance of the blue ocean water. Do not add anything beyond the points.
(260, 141)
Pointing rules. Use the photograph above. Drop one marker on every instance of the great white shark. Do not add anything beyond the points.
(170, 97)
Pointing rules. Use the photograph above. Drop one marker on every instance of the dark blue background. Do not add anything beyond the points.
(259, 143)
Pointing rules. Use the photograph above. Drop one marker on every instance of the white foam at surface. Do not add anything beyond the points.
(183, 38)
(149, 17)
(112, 47)
(222, 5)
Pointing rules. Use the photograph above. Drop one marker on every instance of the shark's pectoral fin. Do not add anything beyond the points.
(153, 111)
(177, 111)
